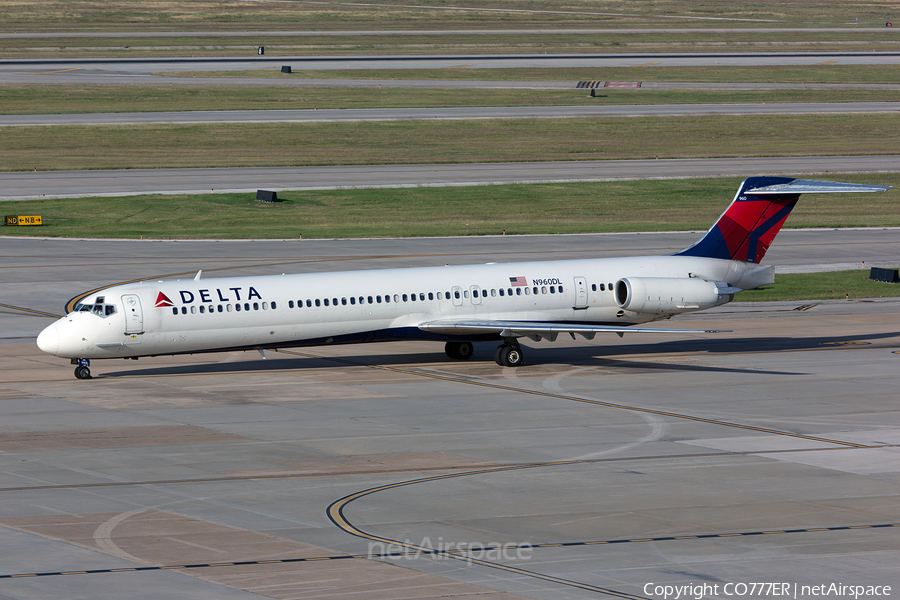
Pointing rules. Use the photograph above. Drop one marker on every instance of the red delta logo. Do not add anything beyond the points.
(163, 300)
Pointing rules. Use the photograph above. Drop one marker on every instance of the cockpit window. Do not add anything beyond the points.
(99, 309)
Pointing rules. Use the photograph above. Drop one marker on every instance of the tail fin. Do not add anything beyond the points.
(762, 204)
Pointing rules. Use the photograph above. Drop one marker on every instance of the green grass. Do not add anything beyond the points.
(821, 73)
(36, 99)
(226, 15)
(427, 141)
(691, 204)
(835, 285)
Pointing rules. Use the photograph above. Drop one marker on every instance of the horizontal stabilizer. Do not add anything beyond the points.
(814, 186)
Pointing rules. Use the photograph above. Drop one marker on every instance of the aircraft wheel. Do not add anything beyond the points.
(510, 356)
(459, 350)
(82, 373)
(498, 352)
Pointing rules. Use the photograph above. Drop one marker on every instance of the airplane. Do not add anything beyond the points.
(458, 305)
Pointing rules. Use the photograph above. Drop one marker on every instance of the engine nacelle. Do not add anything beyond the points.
(671, 295)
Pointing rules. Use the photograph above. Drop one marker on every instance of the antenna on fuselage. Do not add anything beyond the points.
(197, 276)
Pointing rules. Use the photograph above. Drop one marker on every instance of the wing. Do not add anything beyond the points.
(537, 330)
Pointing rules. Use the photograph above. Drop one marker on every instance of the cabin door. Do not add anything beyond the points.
(134, 315)
(581, 299)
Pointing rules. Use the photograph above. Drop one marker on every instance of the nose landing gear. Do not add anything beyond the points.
(82, 371)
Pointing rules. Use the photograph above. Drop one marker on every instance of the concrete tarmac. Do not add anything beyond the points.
(599, 469)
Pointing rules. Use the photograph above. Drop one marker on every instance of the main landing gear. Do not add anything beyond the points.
(459, 350)
(508, 354)
(82, 371)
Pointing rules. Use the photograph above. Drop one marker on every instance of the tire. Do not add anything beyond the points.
(498, 354)
(82, 373)
(459, 350)
(512, 356)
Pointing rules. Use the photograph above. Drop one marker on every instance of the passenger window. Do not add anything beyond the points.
(184, 310)
(519, 291)
(387, 299)
(325, 301)
(465, 293)
(509, 291)
(352, 299)
(543, 290)
(404, 298)
(344, 301)
(370, 299)
(430, 295)
(493, 293)
(559, 289)
(318, 302)
(334, 301)
(220, 308)
(291, 304)
(174, 311)
(378, 299)
(610, 287)
(246, 306)
(412, 297)
(309, 303)
(228, 307)
(501, 291)
(273, 306)
(265, 306)
(202, 310)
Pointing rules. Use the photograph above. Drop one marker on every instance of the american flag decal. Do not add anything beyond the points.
(518, 281)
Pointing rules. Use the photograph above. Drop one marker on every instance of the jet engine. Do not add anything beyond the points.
(671, 295)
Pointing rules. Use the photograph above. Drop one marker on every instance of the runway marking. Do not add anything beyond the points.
(652, 411)
(30, 311)
(804, 307)
(846, 343)
(647, 64)
(51, 72)
(830, 62)
(483, 468)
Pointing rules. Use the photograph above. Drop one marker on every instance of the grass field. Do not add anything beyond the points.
(835, 285)
(681, 204)
(426, 141)
(819, 73)
(229, 15)
(28, 99)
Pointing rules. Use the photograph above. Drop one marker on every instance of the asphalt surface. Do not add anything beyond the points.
(141, 71)
(22, 185)
(766, 454)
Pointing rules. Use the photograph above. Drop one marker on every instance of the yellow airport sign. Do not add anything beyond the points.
(23, 220)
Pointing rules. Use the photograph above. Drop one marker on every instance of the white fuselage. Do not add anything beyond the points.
(185, 316)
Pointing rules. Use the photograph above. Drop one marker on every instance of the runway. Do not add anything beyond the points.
(764, 454)
(143, 71)
(24, 185)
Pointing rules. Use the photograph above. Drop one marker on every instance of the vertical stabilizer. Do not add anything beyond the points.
(762, 204)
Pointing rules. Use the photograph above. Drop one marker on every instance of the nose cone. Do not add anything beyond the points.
(48, 340)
